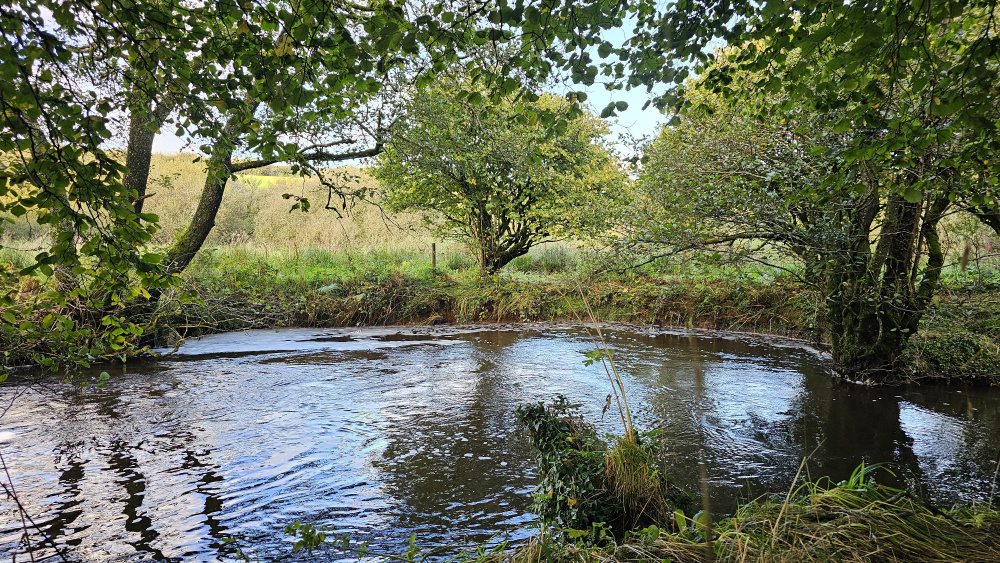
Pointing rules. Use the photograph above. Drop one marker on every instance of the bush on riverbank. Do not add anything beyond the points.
(959, 337)
(857, 520)
(585, 487)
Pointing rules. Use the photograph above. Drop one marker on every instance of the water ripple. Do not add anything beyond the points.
(387, 432)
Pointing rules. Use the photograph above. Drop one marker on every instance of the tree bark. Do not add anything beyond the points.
(876, 303)
(138, 157)
(191, 240)
(220, 170)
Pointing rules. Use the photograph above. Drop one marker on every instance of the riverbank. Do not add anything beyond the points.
(583, 506)
(246, 287)
(855, 521)
(322, 290)
(239, 289)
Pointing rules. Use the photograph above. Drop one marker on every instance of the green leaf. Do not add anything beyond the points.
(912, 194)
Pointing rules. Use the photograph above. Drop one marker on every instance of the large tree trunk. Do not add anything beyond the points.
(876, 303)
(220, 169)
(497, 241)
(191, 240)
(142, 130)
(497, 238)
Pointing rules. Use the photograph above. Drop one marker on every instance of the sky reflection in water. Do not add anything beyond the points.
(387, 432)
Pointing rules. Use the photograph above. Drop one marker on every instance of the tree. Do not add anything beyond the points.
(730, 176)
(725, 181)
(255, 83)
(910, 94)
(495, 175)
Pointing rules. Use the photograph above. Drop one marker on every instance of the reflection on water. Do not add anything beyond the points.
(387, 432)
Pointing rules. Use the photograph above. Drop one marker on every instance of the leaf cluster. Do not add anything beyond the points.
(502, 175)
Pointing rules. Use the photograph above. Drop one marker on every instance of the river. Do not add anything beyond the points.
(387, 432)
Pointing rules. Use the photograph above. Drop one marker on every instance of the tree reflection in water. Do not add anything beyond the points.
(388, 432)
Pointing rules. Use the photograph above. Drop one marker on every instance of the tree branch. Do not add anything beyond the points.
(318, 156)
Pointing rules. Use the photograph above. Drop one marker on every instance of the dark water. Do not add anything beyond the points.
(387, 432)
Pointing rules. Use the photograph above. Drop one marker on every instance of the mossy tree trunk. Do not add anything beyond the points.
(220, 168)
(497, 238)
(877, 296)
(193, 237)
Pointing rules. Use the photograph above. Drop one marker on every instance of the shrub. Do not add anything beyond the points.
(458, 261)
(555, 259)
(584, 485)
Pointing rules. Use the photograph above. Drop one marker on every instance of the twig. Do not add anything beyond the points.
(24, 515)
(993, 488)
(607, 360)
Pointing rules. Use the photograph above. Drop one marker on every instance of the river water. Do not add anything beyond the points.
(383, 433)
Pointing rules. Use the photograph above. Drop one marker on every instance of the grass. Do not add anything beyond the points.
(254, 286)
(632, 478)
(316, 287)
(845, 522)
(959, 338)
(266, 266)
(856, 520)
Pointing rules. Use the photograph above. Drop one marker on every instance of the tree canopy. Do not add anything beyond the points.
(501, 176)
(857, 152)
(252, 83)
(849, 127)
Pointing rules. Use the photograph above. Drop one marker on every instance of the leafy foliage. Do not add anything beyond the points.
(570, 491)
(875, 123)
(584, 486)
(857, 520)
(252, 83)
(501, 176)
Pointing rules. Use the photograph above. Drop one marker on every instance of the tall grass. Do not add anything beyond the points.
(253, 212)
(855, 521)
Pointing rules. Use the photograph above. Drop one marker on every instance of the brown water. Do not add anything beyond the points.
(385, 433)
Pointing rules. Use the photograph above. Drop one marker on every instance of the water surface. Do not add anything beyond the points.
(383, 433)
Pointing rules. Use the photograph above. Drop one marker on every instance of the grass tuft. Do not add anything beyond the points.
(857, 521)
(634, 481)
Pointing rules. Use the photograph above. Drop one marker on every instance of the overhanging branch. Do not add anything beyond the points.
(318, 156)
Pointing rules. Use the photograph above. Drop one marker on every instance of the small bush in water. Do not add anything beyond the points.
(583, 484)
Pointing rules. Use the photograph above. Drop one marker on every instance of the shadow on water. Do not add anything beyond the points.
(384, 433)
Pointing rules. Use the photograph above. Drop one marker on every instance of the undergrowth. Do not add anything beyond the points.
(587, 488)
(857, 520)
(248, 286)
(959, 338)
